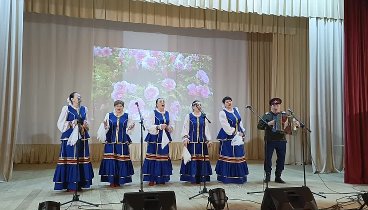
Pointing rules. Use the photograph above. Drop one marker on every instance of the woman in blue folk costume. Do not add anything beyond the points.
(196, 138)
(157, 166)
(231, 166)
(116, 166)
(74, 147)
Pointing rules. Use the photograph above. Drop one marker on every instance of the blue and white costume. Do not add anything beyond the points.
(116, 166)
(195, 129)
(231, 166)
(67, 174)
(157, 165)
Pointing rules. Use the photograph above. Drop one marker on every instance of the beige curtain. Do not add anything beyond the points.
(260, 65)
(290, 81)
(58, 60)
(326, 93)
(267, 59)
(279, 68)
(49, 153)
(11, 27)
(277, 55)
(292, 8)
(164, 15)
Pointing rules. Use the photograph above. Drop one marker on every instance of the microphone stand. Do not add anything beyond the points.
(204, 190)
(302, 125)
(142, 129)
(265, 149)
(205, 116)
(75, 194)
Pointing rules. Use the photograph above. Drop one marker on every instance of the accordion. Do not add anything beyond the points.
(284, 123)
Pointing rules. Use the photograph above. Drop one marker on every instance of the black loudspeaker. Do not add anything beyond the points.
(292, 198)
(159, 200)
(217, 198)
(49, 205)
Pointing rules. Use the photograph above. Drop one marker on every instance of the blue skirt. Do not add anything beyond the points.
(231, 166)
(116, 166)
(199, 167)
(195, 171)
(67, 174)
(157, 165)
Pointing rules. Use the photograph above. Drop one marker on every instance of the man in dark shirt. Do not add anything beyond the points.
(274, 139)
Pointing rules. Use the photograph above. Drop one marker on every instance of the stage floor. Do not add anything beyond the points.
(32, 184)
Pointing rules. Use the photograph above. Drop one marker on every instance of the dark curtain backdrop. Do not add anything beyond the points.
(356, 91)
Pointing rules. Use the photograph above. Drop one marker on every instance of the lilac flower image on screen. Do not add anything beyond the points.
(139, 75)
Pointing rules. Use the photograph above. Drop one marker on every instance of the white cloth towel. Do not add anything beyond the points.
(101, 133)
(73, 138)
(165, 140)
(186, 155)
(237, 140)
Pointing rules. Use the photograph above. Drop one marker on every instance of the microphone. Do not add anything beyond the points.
(139, 111)
(248, 107)
(200, 109)
(204, 114)
(140, 115)
(79, 102)
(291, 111)
(79, 99)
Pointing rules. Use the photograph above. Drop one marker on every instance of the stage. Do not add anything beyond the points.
(32, 184)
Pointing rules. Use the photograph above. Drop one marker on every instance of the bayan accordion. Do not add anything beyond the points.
(284, 123)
